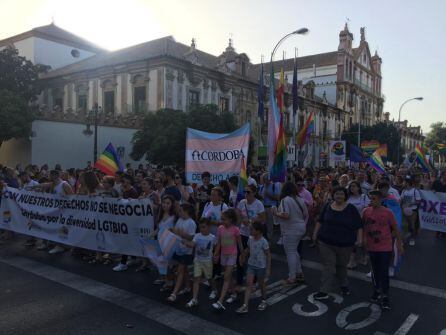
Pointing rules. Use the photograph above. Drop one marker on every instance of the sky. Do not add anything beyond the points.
(409, 35)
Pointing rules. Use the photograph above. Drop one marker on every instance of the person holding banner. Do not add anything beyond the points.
(379, 227)
(410, 199)
(165, 220)
(185, 228)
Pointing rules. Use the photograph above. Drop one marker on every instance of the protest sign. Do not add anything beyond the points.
(219, 154)
(432, 211)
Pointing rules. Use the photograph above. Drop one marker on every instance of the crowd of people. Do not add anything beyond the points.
(350, 214)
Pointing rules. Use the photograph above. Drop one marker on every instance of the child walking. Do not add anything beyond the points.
(379, 227)
(204, 243)
(185, 228)
(259, 265)
(228, 239)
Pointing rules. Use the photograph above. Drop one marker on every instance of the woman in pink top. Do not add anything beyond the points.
(228, 238)
(380, 227)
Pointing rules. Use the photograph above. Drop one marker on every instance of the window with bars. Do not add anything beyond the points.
(139, 99)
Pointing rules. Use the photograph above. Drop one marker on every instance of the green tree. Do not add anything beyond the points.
(385, 133)
(18, 88)
(163, 136)
(437, 135)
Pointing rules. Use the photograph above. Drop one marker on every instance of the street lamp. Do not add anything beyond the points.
(399, 126)
(301, 31)
(93, 118)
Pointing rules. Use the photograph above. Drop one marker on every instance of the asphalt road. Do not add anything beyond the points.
(61, 294)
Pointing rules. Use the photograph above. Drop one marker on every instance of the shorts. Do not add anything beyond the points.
(259, 273)
(228, 260)
(183, 259)
(203, 269)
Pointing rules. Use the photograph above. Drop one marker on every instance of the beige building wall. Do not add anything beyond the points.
(15, 152)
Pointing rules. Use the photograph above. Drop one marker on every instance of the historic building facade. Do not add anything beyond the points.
(339, 87)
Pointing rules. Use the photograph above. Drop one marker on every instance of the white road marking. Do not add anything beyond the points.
(274, 299)
(341, 318)
(426, 290)
(150, 309)
(407, 325)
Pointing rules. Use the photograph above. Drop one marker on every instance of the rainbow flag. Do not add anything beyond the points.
(276, 137)
(376, 162)
(242, 181)
(421, 158)
(442, 148)
(108, 162)
(382, 150)
(306, 131)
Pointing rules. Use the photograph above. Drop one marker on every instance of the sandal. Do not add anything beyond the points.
(290, 282)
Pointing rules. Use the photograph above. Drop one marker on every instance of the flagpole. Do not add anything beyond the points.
(295, 111)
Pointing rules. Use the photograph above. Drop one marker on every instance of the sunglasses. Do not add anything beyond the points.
(248, 192)
(177, 177)
(157, 181)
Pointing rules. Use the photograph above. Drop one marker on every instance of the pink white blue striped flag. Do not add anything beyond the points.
(168, 242)
(219, 154)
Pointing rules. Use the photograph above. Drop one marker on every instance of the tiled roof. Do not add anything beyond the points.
(55, 33)
(165, 46)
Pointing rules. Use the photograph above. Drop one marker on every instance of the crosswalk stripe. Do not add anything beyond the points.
(283, 295)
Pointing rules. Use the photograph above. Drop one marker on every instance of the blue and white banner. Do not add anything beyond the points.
(219, 154)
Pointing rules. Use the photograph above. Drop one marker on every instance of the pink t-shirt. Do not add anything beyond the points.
(228, 239)
(377, 227)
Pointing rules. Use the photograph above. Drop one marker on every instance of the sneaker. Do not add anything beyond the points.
(131, 262)
(213, 295)
(385, 303)
(159, 281)
(192, 303)
(391, 272)
(120, 267)
(375, 296)
(262, 306)
(232, 298)
(56, 250)
(321, 296)
(218, 306)
(184, 291)
(243, 309)
(352, 264)
(280, 241)
(345, 290)
(172, 298)
(369, 275)
(306, 238)
(42, 246)
(412, 242)
(206, 283)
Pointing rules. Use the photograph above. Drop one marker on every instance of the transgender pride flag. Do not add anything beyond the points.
(219, 154)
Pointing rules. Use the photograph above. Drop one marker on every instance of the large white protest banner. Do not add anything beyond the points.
(432, 211)
(219, 154)
(95, 223)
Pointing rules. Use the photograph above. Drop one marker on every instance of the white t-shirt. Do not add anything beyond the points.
(213, 212)
(409, 198)
(187, 227)
(395, 193)
(360, 202)
(31, 183)
(257, 248)
(232, 197)
(204, 244)
(249, 211)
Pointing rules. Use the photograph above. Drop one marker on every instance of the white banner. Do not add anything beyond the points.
(337, 151)
(432, 211)
(95, 223)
